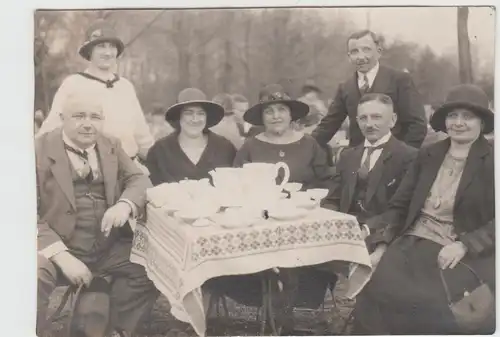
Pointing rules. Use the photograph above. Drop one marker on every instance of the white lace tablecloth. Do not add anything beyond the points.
(179, 258)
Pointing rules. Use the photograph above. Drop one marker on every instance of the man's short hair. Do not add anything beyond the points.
(81, 102)
(377, 97)
(239, 98)
(362, 33)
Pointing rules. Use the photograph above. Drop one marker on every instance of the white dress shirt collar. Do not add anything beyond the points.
(371, 74)
(69, 142)
(78, 163)
(379, 142)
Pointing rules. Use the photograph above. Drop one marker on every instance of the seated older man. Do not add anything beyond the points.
(87, 189)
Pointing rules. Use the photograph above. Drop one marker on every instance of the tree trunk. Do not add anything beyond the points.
(247, 49)
(182, 40)
(45, 91)
(464, 57)
(184, 73)
(202, 66)
(277, 49)
(228, 57)
(227, 74)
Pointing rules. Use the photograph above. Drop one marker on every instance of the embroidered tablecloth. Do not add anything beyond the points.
(179, 258)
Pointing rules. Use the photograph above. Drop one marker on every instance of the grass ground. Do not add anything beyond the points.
(241, 321)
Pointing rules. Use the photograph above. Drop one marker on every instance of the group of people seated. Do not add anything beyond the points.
(427, 214)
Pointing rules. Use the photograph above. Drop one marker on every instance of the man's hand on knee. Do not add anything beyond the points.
(75, 270)
(115, 216)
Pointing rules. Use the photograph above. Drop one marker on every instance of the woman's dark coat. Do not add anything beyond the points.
(474, 209)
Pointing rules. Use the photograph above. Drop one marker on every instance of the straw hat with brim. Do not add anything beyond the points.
(310, 85)
(466, 96)
(273, 94)
(100, 32)
(96, 299)
(193, 96)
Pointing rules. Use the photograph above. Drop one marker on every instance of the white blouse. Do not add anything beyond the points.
(123, 114)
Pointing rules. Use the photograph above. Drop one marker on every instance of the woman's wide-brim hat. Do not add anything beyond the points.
(100, 32)
(99, 304)
(466, 96)
(273, 94)
(194, 96)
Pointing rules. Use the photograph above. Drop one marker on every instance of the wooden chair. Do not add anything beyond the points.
(68, 299)
(346, 320)
(265, 313)
(216, 301)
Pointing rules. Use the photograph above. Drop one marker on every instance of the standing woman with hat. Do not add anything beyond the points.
(279, 141)
(192, 150)
(439, 247)
(124, 118)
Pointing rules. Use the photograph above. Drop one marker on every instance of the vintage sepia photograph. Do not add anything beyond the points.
(281, 171)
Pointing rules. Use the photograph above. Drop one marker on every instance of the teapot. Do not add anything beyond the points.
(265, 173)
(259, 180)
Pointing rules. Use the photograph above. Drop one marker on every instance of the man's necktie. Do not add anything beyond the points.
(86, 172)
(366, 85)
(365, 166)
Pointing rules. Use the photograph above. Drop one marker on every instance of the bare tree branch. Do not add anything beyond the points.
(157, 16)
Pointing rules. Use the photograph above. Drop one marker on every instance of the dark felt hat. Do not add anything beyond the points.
(91, 310)
(272, 94)
(467, 96)
(190, 96)
(100, 32)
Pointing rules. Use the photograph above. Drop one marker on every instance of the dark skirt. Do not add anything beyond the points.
(244, 289)
(406, 293)
(306, 285)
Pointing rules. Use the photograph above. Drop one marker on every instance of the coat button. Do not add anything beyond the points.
(69, 212)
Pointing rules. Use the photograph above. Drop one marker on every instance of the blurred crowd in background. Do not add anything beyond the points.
(234, 128)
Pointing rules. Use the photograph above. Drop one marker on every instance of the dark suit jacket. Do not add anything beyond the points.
(474, 209)
(384, 178)
(56, 199)
(411, 126)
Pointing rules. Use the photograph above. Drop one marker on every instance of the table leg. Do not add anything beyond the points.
(208, 302)
(224, 306)
(272, 316)
(264, 305)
